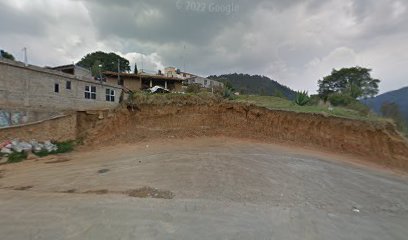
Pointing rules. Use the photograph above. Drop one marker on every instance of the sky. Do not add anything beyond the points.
(293, 42)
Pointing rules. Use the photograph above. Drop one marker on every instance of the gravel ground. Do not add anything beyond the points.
(209, 188)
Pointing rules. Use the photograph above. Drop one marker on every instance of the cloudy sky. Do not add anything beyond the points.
(295, 42)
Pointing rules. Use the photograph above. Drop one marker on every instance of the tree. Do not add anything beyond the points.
(391, 110)
(254, 84)
(278, 93)
(6, 55)
(229, 85)
(96, 69)
(355, 82)
(135, 71)
(109, 62)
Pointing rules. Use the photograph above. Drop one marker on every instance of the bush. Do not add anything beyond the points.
(359, 107)
(63, 147)
(339, 99)
(16, 157)
(228, 94)
(193, 88)
(302, 98)
(218, 91)
(314, 100)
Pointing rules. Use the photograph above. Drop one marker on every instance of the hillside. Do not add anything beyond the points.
(255, 84)
(399, 97)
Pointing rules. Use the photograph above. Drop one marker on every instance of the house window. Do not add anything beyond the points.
(90, 92)
(110, 95)
(56, 87)
(205, 82)
(68, 85)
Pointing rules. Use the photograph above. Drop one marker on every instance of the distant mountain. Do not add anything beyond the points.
(400, 97)
(255, 84)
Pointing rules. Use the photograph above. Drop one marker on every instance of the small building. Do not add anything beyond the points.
(73, 70)
(204, 82)
(44, 88)
(143, 81)
(176, 73)
(191, 78)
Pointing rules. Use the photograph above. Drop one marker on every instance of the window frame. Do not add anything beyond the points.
(68, 85)
(90, 92)
(56, 88)
(110, 95)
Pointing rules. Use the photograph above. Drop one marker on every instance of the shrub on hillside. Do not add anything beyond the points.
(193, 88)
(314, 100)
(359, 107)
(302, 98)
(228, 94)
(345, 100)
(218, 91)
(339, 99)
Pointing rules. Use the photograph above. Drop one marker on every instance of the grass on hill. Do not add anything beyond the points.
(283, 104)
(141, 98)
(270, 102)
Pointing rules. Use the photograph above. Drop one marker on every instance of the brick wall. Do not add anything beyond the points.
(59, 128)
(34, 87)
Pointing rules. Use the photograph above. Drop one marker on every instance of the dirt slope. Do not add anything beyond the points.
(374, 141)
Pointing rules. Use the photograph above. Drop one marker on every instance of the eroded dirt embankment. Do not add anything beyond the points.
(377, 142)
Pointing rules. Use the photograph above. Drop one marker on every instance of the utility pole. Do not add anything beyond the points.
(25, 56)
(118, 71)
(142, 62)
(100, 72)
(184, 59)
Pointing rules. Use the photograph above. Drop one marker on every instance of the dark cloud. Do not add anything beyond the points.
(295, 42)
(14, 21)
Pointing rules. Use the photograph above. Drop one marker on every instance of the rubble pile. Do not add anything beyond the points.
(18, 146)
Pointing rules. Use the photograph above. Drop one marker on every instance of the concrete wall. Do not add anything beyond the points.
(59, 128)
(33, 87)
(205, 82)
(19, 116)
(133, 83)
(82, 72)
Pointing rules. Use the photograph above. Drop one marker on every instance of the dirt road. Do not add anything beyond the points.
(210, 188)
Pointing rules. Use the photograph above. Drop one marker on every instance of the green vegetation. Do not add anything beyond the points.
(302, 98)
(283, 104)
(340, 99)
(228, 93)
(254, 84)
(107, 61)
(399, 97)
(16, 157)
(193, 88)
(355, 82)
(6, 55)
(392, 111)
(63, 147)
(143, 98)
